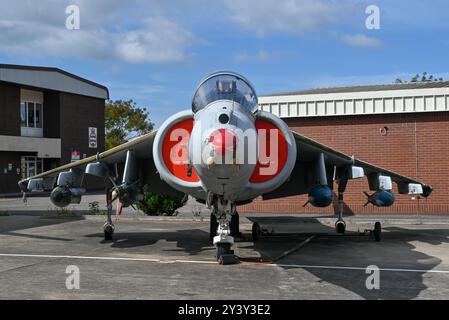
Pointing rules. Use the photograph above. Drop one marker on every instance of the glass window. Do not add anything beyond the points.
(225, 86)
(31, 169)
(38, 116)
(31, 166)
(39, 166)
(23, 114)
(30, 115)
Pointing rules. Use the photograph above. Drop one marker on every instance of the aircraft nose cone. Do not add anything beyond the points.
(223, 142)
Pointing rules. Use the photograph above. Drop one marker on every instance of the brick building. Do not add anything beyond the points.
(403, 127)
(48, 118)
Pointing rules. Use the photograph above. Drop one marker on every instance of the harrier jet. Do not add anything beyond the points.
(224, 152)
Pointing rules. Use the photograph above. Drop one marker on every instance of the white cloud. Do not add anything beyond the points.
(108, 31)
(295, 17)
(361, 40)
(160, 40)
(259, 56)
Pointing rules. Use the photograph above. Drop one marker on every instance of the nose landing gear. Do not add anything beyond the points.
(223, 228)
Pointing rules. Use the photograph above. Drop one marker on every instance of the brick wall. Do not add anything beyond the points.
(416, 145)
(10, 110)
(77, 114)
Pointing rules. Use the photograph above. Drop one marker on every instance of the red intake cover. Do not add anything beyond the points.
(280, 157)
(175, 150)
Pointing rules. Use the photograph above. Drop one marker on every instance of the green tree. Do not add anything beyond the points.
(420, 78)
(124, 120)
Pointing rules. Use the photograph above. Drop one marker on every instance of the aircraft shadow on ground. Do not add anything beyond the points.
(11, 225)
(191, 241)
(395, 251)
(327, 249)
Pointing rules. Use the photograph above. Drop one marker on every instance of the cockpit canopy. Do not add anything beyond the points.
(225, 86)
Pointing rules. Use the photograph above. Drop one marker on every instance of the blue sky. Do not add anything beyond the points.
(155, 52)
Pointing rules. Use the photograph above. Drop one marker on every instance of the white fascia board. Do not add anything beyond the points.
(355, 95)
(45, 147)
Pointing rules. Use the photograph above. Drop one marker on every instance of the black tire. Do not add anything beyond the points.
(256, 231)
(340, 227)
(228, 259)
(377, 232)
(223, 249)
(234, 225)
(213, 227)
(108, 232)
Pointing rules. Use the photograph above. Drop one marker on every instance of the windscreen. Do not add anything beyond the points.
(225, 86)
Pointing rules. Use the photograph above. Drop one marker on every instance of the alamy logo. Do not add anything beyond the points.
(373, 280)
(372, 22)
(72, 282)
(72, 22)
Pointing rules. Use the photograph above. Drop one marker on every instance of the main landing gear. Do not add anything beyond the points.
(234, 225)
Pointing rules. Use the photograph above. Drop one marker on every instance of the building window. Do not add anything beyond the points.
(23, 114)
(31, 166)
(31, 114)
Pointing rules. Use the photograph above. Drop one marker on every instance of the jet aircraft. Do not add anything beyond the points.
(224, 152)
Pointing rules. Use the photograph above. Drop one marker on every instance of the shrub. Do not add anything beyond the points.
(94, 207)
(155, 204)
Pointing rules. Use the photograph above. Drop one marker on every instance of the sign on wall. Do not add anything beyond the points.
(75, 155)
(92, 137)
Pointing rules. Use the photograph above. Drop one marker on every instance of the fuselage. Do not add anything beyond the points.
(224, 146)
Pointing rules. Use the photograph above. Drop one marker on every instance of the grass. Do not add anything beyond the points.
(64, 212)
(96, 213)
(94, 209)
(4, 214)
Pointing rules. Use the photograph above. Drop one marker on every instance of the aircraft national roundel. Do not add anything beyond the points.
(175, 151)
(272, 149)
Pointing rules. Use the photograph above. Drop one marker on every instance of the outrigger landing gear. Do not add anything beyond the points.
(108, 227)
(340, 225)
(223, 210)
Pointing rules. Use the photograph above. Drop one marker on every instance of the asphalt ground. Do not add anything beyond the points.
(172, 258)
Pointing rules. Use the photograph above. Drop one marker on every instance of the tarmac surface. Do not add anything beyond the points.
(174, 259)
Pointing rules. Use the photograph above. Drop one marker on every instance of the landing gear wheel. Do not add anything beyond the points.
(108, 232)
(256, 231)
(225, 255)
(228, 259)
(223, 249)
(377, 231)
(340, 227)
(234, 225)
(213, 226)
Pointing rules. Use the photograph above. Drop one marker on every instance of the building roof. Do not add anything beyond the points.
(360, 100)
(52, 79)
(366, 88)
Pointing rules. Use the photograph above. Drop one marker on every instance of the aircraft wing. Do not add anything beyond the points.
(337, 164)
(114, 155)
(114, 161)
